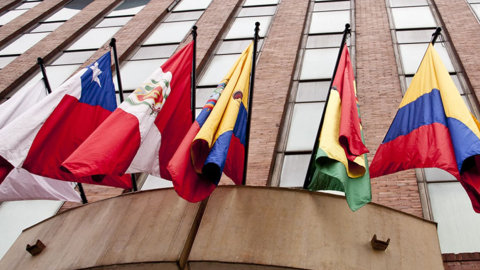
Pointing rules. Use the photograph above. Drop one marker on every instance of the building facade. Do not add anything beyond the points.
(298, 46)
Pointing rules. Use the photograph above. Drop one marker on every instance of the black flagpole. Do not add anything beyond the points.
(435, 35)
(44, 74)
(194, 67)
(49, 91)
(250, 102)
(113, 42)
(308, 176)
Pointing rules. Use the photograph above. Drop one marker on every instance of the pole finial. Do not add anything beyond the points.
(40, 60)
(112, 42)
(257, 24)
(436, 34)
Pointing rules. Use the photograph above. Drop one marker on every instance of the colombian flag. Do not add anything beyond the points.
(216, 140)
(340, 162)
(433, 128)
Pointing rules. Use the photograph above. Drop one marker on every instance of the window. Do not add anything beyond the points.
(315, 68)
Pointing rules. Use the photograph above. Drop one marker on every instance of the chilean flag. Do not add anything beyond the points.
(146, 129)
(44, 136)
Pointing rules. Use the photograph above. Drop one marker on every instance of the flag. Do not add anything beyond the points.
(340, 161)
(146, 129)
(216, 138)
(17, 183)
(433, 128)
(43, 137)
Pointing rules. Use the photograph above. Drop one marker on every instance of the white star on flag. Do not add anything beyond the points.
(96, 73)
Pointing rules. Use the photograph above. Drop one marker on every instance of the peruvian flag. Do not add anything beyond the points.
(145, 130)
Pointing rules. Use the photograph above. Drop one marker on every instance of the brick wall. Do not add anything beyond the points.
(273, 78)
(379, 96)
(464, 261)
(29, 19)
(463, 28)
(21, 68)
(8, 4)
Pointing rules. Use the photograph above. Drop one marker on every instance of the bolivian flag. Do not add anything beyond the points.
(433, 128)
(341, 162)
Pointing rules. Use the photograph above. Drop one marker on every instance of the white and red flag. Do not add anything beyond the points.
(17, 183)
(146, 129)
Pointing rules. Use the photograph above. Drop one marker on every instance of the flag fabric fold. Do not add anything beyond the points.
(215, 142)
(17, 183)
(433, 128)
(145, 130)
(53, 128)
(340, 161)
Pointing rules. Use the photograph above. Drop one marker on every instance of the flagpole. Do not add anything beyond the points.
(49, 91)
(308, 176)
(113, 44)
(44, 74)
(194, 67)
(435, 35)
(250, 102)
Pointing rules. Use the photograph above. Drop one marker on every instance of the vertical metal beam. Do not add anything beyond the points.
(194, 68)
(250, 101)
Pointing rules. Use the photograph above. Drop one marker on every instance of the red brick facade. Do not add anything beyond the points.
(379, 94)
(464, 261)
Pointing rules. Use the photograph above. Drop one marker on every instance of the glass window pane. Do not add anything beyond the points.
(46, 27)
(192, 5)
(458, 224)
(414, 36)
(184, 16)
(304, 127)
(170, 33)
(218, 68)
(473, 1)
(153, 182)
(412, 55)
(4, 61)
(329, 22)
(332, 6)
(56, 75)
(318, 64)
(417, 17)
(17, 216)
(94, 38)
(108, 22)
(237, 46)
(244, 27)
(9, 16)
(202, 96)
(294, 170)
(135, 72)
(257, 11)
(435, 174)
(22, 44)
(312, 91)
(406, 3)
(152, 52)
(73, 58)
(325, 41)
(129, 7)
(27, 5)
(260, 2)
(63, 15)
(476, 9)
(454, 78)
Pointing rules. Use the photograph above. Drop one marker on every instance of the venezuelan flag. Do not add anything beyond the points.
(194, 149)
(340, 162)
(433, 128)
